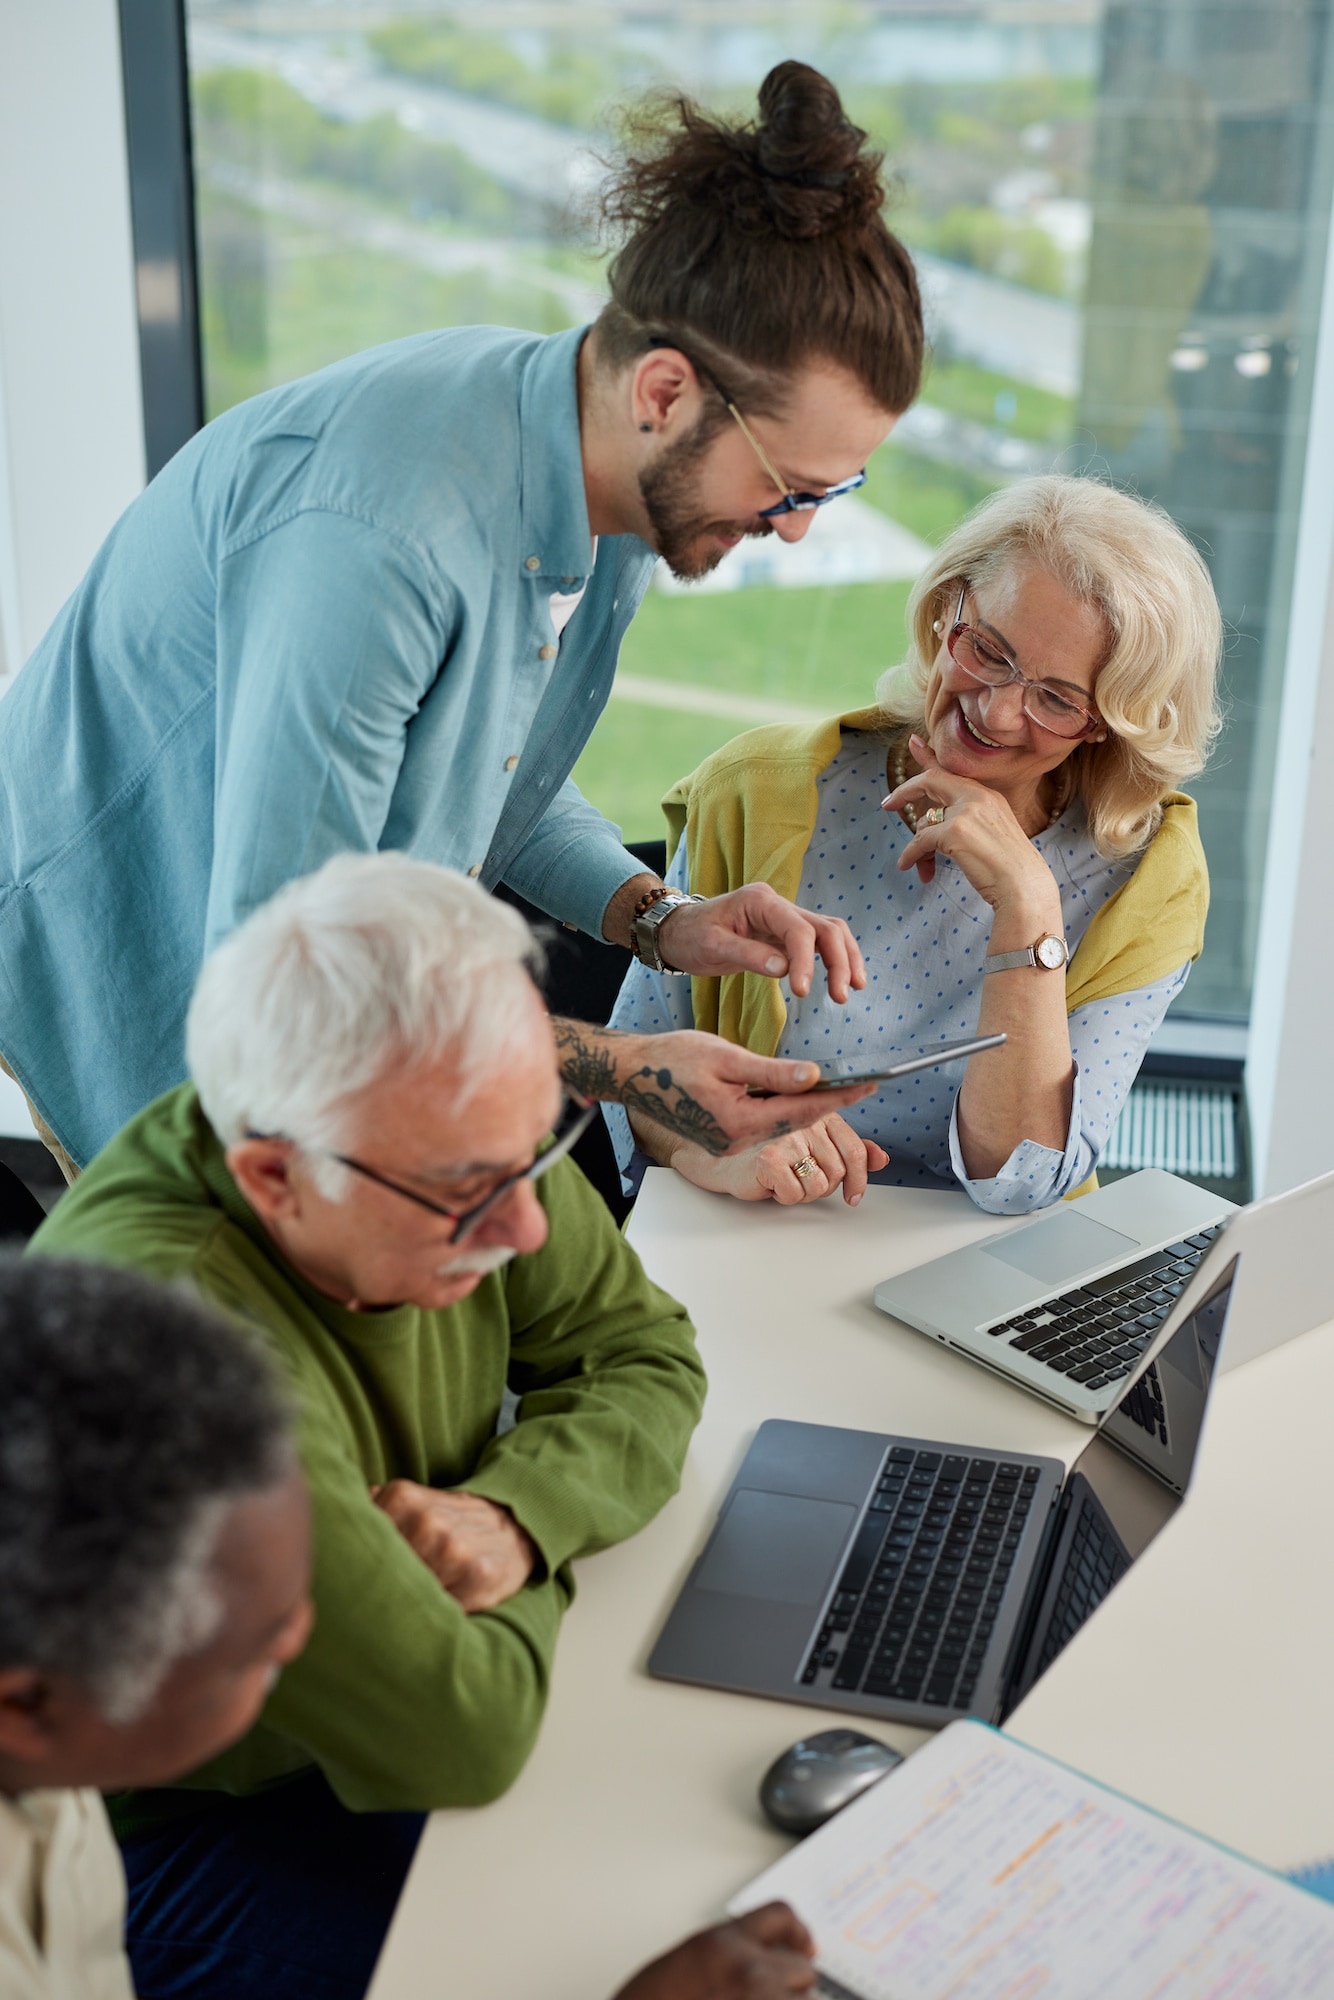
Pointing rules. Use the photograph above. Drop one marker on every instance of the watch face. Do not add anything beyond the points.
(1050, 952)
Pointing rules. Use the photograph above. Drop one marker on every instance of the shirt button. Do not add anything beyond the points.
(476, 869)
(510, 763)
(532, 562)
(546, 652)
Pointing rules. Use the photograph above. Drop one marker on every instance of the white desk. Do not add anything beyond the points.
(637, 1817)
(1203, 1686)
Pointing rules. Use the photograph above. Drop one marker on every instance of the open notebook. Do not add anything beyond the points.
(982, 1870)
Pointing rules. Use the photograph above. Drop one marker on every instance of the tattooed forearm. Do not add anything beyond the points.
(588, 1065)
(585, 1060)
(654, 1094)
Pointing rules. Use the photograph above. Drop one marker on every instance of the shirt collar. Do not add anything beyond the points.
(554, 536)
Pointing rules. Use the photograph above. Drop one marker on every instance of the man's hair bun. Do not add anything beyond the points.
(762, 241)
(815, 175)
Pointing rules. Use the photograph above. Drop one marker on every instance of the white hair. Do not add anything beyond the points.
(375, 963)
(181, 1618)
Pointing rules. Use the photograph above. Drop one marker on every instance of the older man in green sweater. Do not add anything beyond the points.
(363, 1171)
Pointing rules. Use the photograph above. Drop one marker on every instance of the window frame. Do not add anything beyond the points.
(160, 162)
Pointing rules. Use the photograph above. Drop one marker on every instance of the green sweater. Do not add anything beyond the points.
(402, 1698)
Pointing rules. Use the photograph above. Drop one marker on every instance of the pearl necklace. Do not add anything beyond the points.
(898, 773)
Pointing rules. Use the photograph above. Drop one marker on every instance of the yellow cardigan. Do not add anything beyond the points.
(749, 811)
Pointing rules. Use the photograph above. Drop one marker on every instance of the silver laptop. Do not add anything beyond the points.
(1066, 1304)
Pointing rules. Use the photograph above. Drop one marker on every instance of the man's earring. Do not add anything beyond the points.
(646, 427)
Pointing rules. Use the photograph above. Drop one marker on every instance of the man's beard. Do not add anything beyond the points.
(667, 488)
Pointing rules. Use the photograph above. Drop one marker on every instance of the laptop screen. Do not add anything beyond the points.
(1129, 1481)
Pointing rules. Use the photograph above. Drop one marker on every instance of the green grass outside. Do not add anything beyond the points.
(930, 499)
(969, 391)
(635, 753)
(824, 648)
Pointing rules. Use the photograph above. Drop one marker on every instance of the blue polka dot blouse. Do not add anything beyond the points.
(924, 945)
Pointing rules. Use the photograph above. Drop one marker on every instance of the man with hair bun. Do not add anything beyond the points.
(382, 607)
(369, 1170)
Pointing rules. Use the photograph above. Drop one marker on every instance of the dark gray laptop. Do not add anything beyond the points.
(917, 1580)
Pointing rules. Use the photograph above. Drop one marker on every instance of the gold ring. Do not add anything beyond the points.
(936, 817)
(805, 1168)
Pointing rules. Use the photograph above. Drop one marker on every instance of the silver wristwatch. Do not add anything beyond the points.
(1049, 954)
(644, 930)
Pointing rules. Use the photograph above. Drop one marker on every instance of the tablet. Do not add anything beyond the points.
(943, 1052)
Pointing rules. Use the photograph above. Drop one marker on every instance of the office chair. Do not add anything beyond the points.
(20, 1211)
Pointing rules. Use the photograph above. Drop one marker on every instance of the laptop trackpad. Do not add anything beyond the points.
(776, 1546)
(1061, 1247)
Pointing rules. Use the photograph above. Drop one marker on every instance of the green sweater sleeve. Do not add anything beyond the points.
(405, 1701)
(609, 1380)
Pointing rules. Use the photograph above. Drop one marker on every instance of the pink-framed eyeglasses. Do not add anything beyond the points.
(1044, 702)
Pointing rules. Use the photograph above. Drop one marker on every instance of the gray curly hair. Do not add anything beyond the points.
(130, 1419)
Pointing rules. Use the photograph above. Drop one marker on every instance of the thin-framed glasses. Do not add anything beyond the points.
(575, 1120)
(792, 502)
(1043, 703)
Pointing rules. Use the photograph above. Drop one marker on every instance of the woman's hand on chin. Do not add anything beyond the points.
(979, 833)
(831, 1153)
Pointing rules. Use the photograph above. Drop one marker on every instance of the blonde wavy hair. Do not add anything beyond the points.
(1157, 685)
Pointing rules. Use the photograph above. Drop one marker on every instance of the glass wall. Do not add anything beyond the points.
(1210, 205)
(1119, 214)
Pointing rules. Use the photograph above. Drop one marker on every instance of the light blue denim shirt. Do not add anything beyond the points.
(321, 628)
(924, 945)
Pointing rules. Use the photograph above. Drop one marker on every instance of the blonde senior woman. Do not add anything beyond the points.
(1033, 870)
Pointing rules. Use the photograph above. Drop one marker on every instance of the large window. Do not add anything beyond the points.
(1119, 213)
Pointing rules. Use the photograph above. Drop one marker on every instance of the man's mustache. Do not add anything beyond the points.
(479, 1261)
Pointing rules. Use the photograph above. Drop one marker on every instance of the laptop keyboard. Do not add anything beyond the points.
(918, 1597)
(1095, 1563)
(1096, 1333)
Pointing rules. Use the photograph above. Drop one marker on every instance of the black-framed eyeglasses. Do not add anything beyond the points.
(792, 502)
(575, 1120)
(1044, 704)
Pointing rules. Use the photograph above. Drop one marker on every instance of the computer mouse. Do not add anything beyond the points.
(820, 1775)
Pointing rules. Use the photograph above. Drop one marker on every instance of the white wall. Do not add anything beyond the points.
(71, 417)
(1290, 1065)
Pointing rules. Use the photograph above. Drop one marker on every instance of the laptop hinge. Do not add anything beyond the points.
(1025, 1629)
